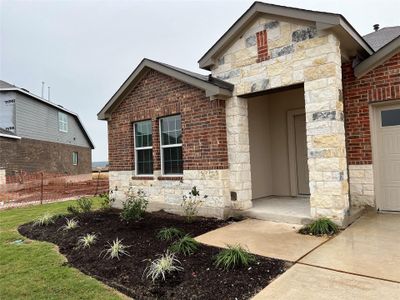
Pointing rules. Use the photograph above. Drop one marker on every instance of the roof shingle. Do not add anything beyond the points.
(381, 37)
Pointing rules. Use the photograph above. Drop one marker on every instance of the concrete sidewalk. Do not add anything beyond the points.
(362, 262)
(302, 282)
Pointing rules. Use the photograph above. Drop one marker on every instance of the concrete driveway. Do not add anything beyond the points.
(362, 262)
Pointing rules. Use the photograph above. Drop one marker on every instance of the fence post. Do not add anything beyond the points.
(97, 183)
(41, 187)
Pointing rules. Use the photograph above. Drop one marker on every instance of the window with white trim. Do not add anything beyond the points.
(143, 148)
(75, 158)
(62, 122)
(171, 145)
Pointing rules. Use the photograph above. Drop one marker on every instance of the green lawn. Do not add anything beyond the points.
(34, 270)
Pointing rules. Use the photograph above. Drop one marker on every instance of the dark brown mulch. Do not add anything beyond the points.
(199, 280)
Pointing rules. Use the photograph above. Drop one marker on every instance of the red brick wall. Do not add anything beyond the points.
(204, 142)
(380, 84)
(35, 156)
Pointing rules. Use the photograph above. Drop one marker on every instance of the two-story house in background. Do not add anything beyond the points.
(38, 135)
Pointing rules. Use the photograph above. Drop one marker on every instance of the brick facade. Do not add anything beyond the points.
(34, 156)
(380, 84)
(204, 141)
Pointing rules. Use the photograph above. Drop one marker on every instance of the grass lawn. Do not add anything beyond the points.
(35, 270)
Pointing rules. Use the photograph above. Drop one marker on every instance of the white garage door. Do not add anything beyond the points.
(387, 157)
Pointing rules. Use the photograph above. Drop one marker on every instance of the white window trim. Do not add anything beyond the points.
(77, 158)
(167, 146)
(63, 122)
(141, 148)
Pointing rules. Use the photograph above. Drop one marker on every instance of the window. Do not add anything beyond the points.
(390, 117)
(143, 148)
(62, 122)
(75, 158)
(171, 145)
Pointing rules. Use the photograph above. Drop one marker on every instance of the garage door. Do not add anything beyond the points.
(387, 157)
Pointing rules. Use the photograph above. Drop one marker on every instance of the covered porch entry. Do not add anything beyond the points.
(278, 156)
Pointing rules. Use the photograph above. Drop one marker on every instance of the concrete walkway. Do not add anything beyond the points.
(277, 240)
(362, 262)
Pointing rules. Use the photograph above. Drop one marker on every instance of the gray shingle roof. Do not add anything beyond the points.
(206, 78)
(383, 36)
(6, 85)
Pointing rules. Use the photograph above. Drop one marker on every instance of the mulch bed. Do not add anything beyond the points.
(199, 280)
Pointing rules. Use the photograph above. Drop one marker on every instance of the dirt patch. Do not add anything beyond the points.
(199, 280)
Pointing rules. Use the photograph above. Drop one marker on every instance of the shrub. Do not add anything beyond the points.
(107, 200)
(71, 224)
(134, 207)
(116, 249)
(192, 203)
(167, 234)
(234, 256)
(45, 220)
(84, 204)
(160, 267)
(186, 245)
(87, 240)
(72, 209)
(322, 226)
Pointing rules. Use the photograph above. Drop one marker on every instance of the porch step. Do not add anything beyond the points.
(276, 217)
(280, 209)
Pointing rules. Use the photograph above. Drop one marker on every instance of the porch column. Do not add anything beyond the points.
(237, 125)
(326, 135)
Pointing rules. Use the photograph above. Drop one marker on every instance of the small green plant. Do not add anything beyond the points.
(116, 249)
(107, 200)
(134, 207)
(84, 204)
(234, 256)
(45, 220)
(191, 204)
(168, 234)
(322, 226)
(87, 240)
(70, 224)
(185, 245)
(72, 209)
(162, 266)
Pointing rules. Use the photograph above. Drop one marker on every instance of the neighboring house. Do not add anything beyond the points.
(39, 135)
(297, 104)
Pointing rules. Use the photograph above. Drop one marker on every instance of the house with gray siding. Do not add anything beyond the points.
(38, 135)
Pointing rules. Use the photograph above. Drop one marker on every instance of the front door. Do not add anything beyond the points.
(301, 154)
(387, 157)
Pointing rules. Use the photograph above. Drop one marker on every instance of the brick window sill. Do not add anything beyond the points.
(176, 178)
(142, 177)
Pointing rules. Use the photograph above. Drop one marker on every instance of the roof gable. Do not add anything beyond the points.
(212, 86)
(322, 21)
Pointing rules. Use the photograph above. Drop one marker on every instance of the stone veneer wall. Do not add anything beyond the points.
(167, 194)
(379, 85)
(361, 179)
(297, 54)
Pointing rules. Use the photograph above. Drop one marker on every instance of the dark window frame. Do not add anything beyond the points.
(139, 149)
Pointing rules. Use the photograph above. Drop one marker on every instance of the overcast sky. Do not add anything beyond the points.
(84, 50)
